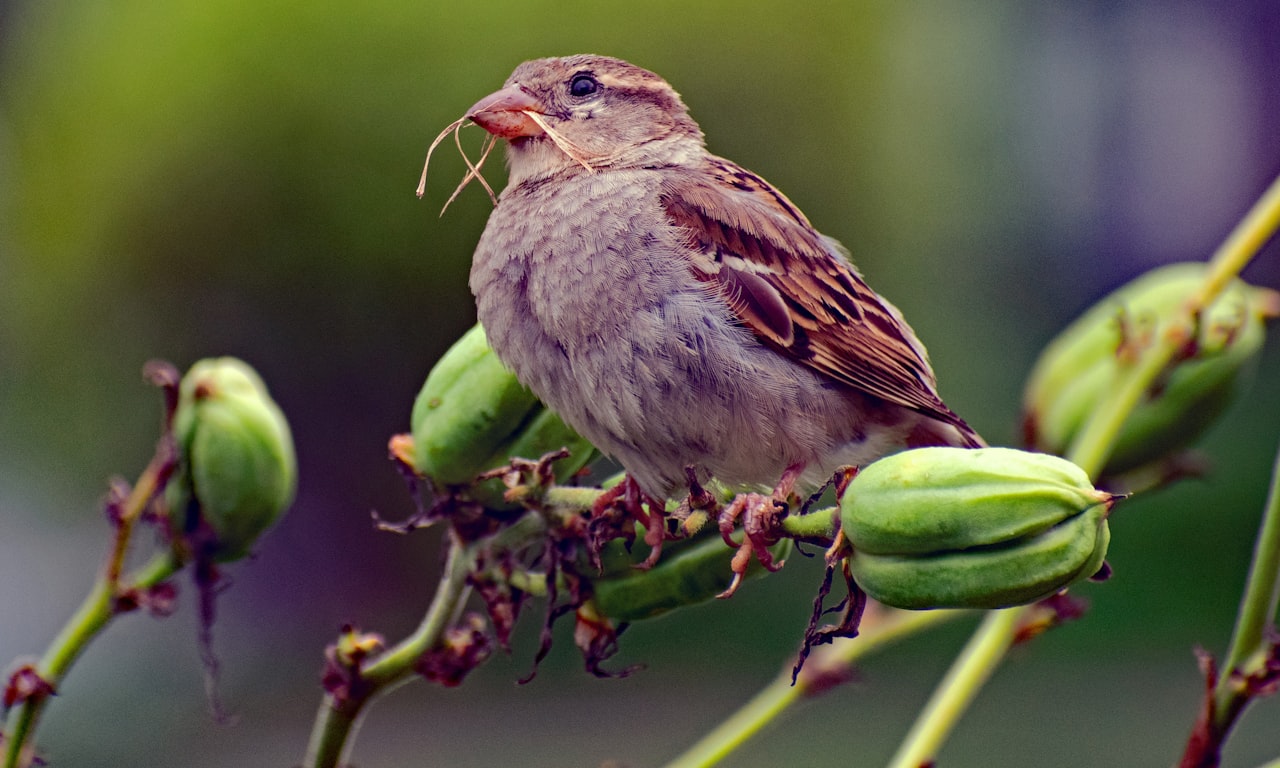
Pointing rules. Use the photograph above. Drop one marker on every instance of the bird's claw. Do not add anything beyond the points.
(762, 518)
(761, 528)
(616, 511)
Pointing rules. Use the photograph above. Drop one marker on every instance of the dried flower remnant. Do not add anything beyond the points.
(341, 675)
(463, 648)
(24, 683)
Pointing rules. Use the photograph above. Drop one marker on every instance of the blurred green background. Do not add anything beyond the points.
(206, 177)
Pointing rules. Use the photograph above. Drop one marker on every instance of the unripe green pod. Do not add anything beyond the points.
(1082, 365)
(467, 410)
(237, 471)
(690, 572)
(1015, 573)
(931, 499)
(472, 415)
(972, 528)
(544, 431)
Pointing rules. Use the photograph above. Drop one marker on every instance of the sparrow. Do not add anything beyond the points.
(675, 308)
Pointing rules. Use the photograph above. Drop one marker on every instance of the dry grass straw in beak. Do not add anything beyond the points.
(574, 151)
(473, 169)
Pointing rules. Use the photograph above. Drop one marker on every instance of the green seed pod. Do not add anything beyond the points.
(237, 471)
(472, 415)
(690, 571)
(1015, 573)
(467, 410)
(911, 502)
(544, 431)
(1082, 365)
(972, 528)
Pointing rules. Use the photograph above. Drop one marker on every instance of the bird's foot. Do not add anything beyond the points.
(615, 514)
(762, 518)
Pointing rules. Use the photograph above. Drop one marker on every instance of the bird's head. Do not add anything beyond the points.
(589, 111)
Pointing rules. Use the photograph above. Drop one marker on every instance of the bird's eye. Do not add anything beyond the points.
(583, 85)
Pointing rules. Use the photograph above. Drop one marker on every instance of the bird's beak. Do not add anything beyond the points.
(503, 113)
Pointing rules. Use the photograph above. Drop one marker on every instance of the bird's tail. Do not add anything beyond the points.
(953, 432)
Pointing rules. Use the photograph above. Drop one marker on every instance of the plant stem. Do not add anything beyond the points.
(572, 497)
(99, 606)
(397, 662)
(971, 670)
(337, 718)
(780, 694)
(97, 610)
(1093, 445)
(1090, 451)
(150, 483)
(818, 525)
(1257, 612)
(1246, 239)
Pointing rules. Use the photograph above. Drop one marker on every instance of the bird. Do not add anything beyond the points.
(675, 308)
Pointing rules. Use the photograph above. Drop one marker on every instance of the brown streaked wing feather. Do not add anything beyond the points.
(782, 281)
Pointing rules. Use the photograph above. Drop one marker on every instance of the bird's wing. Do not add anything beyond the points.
(794, 288)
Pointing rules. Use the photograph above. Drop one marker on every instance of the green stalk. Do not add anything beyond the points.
(99, 606)
(819, 525)
(337, 718)
(780, 694)
(971, 670)
(97, 610)
(1257, 612)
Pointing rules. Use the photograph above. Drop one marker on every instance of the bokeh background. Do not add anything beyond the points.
(205, 177)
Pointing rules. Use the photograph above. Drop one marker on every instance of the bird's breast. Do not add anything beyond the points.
(583, 255)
